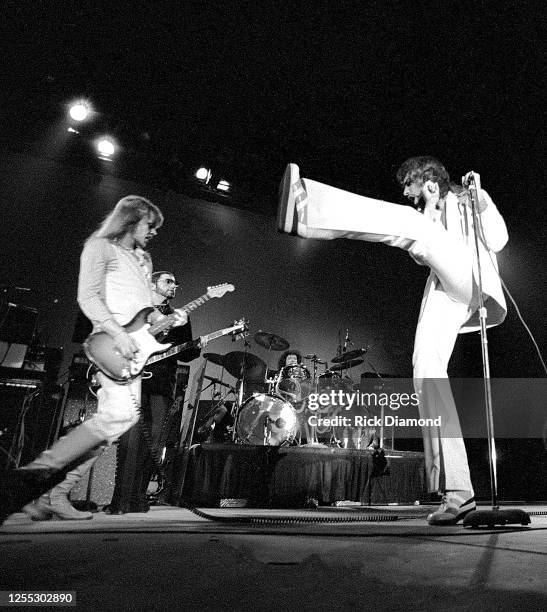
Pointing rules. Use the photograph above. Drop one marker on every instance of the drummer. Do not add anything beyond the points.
(291, 357)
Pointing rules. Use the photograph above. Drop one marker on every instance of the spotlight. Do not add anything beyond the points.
(79, 111)
(203, 174)
(223, 185)
(106, 148)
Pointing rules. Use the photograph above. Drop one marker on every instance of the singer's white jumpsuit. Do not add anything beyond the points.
(450, 301)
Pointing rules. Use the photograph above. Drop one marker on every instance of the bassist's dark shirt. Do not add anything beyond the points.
(163, 379)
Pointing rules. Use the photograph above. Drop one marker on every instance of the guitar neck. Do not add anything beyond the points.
(191, 344)
(173, 351)
(170, 320)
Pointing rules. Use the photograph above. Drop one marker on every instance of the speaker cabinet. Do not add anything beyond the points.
(28, 422)
(98, 485)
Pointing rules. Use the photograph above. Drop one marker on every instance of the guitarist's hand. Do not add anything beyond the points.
(125, 345)
(181, 318)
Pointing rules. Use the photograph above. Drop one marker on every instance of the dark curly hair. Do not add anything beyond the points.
(424, 169)
(282, 360)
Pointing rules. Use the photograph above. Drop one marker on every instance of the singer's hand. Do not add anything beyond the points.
(471, 176)
(474, 178)
(203, 342)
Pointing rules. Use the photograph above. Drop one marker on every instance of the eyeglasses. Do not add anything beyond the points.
(170, 281)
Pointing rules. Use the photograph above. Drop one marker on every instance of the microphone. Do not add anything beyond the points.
(469, 180)
(217, 381)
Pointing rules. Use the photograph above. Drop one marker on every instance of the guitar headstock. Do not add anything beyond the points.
(217, 291)
(241, 329)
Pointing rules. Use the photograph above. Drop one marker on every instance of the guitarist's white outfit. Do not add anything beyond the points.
(114, 285)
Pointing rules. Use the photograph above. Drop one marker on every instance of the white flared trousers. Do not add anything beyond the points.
(327, 213)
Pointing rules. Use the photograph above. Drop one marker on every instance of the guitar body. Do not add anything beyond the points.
(100, 349)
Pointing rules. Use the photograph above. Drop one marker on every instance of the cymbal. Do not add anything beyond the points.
(271, 341)
(254, 368)
(349, 355)
(346, 364)
(214, 358)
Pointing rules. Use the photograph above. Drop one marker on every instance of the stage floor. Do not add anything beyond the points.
(171, 558)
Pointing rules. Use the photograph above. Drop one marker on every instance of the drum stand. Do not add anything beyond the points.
(240, 386)
(315, 386)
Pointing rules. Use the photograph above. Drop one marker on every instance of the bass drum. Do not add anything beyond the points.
(266, 414)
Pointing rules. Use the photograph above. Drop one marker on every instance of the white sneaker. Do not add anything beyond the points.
(454, 506)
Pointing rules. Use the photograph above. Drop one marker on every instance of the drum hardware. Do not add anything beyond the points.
(271, 382)
(289, 383)
(214, 358)
(213, 417)
(350, 355)
(217, 381)
(272, 342)
(245, 367)
(345, 365)
(315, 359)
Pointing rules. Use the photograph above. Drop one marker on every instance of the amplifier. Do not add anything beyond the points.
(29, 418)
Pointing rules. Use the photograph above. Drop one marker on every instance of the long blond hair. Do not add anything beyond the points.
(126, 215)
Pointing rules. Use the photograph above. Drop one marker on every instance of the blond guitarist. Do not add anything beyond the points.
(114, 285)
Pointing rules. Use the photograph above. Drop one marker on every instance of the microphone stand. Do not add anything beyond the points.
(495, 516)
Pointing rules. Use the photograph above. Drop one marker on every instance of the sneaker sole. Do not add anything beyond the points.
(287, 218)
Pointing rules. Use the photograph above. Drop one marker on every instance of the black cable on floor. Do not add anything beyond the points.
(287, 520)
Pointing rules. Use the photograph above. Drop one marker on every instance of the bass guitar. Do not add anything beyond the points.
(238, 330)
(101, 351)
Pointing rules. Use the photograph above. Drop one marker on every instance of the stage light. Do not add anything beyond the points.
(223, 185)
(106, 148)
(203, 174)
(79, 111)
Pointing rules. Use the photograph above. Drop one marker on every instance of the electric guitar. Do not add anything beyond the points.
(101, 351)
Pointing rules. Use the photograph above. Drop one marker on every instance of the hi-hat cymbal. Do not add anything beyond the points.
(346, 364)
(214, 358)
(251, 366)
(355, 354)
(271, 341)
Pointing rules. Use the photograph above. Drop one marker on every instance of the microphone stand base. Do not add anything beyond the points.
(490, 518)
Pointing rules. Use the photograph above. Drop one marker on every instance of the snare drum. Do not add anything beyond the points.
(266, 419)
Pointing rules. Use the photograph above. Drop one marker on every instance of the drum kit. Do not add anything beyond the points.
(271, 407)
